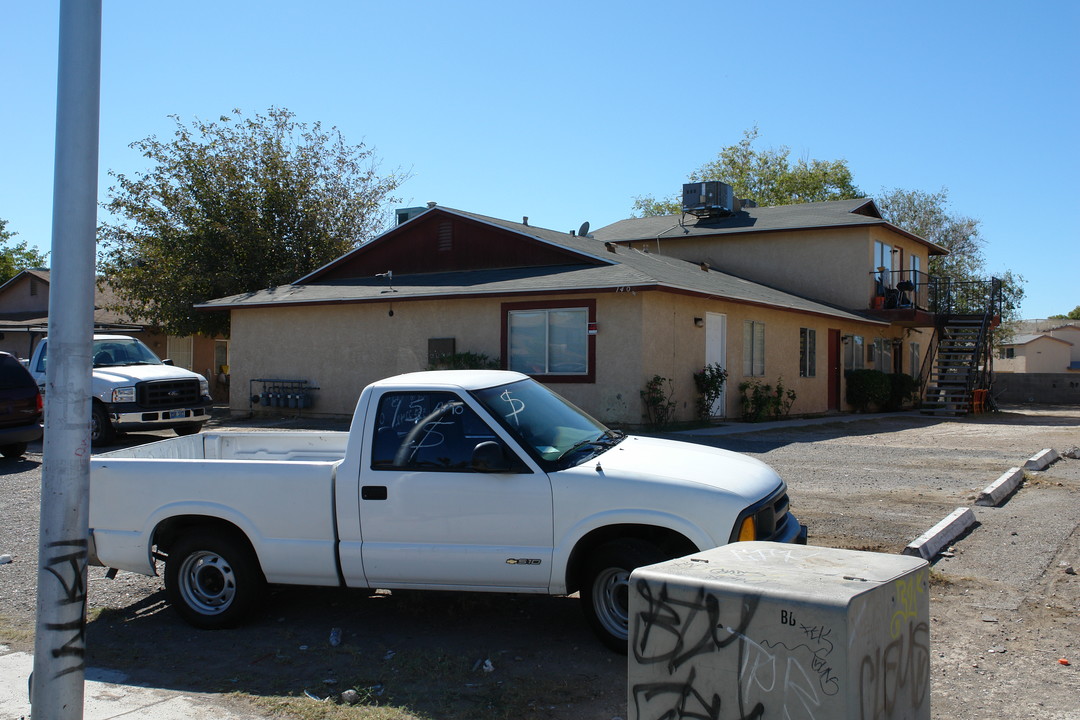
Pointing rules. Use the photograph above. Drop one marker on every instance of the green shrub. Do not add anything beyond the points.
(868, 387)
(659, 407)
(710, 385)
(903, 389)
(761, 401)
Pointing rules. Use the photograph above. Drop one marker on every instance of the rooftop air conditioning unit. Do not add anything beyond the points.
(402, 215)
(707, 199)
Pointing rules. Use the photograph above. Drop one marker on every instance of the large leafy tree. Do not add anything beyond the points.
(768, 177)
(16, 257)
(234, 206)
(928, 216)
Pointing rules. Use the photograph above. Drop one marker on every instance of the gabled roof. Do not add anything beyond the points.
(591, 265)
(38, 322)
(860, 212)
(39, 273)
(1027, 339)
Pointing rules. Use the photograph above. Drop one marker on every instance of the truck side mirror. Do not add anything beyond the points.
(489, 457)
(167, 361)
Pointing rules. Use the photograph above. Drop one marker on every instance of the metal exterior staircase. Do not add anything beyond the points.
(958, 365)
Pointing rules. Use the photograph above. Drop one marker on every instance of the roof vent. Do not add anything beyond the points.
(708, 199)
(747, 203)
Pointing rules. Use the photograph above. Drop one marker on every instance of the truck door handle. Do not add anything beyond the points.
(373, 492)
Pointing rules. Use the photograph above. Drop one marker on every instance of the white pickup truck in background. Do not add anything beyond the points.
(133, 389)
(447, 480)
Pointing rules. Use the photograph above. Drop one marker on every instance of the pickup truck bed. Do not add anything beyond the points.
(221, 471)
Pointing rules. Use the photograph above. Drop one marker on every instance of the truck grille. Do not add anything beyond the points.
(770, 516)
(168, 393)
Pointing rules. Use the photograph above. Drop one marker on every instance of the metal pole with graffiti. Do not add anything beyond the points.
(57, 690)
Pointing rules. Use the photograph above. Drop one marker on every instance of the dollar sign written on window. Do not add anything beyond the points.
(516, 406)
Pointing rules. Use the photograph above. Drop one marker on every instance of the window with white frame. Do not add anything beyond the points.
(882, 259)
(548, 340)
(854, 353)
(753, 348)
(807, 352)
(882, 355)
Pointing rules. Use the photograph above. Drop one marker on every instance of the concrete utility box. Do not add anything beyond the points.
(792, 632)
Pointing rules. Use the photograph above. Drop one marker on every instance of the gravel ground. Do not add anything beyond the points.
(1004, 607)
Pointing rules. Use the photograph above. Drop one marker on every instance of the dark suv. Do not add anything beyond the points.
(20, 407)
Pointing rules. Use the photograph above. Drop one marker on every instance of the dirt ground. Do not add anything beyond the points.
(1005, 603)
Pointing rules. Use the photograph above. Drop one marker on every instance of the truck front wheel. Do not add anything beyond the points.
(190, 429)
(212, 579)
(101, 429)
(605, 590)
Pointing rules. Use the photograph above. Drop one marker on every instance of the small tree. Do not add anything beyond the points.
(16, 257)
(234, 206)
(766, 176)
(1073, 314)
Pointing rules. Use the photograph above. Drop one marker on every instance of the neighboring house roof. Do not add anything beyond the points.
(39, 273)
(1027, 339)
(587, 265)
(38, 321)
(860, 212)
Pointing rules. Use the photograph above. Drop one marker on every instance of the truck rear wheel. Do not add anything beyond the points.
(605, 590)
(212, 579)
(14, 450)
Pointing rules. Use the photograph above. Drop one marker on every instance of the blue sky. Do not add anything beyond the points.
(565, 111)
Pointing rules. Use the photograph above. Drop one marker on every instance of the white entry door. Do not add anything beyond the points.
(716, 352)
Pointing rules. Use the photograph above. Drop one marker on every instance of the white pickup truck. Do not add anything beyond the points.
(447, 480)
(133, 389)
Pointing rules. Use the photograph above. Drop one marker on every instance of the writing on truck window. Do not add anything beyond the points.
(428, 430)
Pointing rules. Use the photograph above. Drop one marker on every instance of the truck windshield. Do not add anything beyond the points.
(551, 426)
(120, 351)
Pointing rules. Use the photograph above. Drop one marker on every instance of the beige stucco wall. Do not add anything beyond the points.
(17, 298)
(342, 348)
(1069, 333)
(834, 265)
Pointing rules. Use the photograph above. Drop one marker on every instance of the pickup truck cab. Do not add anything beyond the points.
(134, 390)
(447, 480)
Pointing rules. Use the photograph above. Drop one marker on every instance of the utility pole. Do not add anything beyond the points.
(57, 691)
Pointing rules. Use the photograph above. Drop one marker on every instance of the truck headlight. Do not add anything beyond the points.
(204, 387)
(123, 395)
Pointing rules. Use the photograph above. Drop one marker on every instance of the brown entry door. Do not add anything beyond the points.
(834, 369)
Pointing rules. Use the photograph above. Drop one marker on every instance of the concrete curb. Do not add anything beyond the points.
(933, 540)
(1042, 460)
(1001, 488)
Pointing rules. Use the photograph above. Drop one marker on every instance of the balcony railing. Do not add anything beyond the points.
(907, 289)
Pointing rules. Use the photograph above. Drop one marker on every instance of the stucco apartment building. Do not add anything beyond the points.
(793, 294)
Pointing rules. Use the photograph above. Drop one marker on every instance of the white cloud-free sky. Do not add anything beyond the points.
(565, 111)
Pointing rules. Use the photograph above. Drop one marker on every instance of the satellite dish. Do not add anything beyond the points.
(583, 231)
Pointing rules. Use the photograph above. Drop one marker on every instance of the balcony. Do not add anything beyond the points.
(918, 299)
